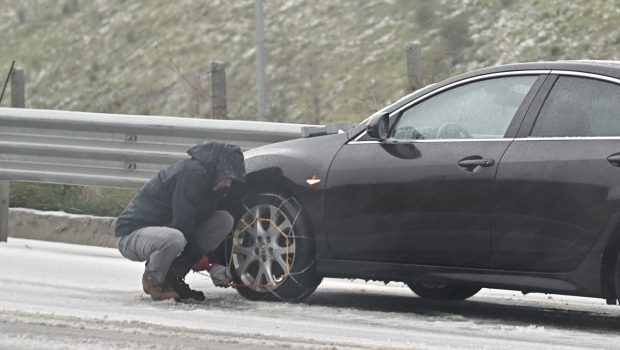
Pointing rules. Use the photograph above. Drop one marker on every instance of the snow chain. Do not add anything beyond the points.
(287, 237)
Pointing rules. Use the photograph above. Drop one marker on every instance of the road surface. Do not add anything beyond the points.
(58, 296)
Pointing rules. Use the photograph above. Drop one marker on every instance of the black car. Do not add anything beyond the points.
(506, 177)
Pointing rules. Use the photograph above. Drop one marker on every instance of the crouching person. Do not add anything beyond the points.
(172, 222)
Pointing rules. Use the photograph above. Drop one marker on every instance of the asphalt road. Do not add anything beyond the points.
(58, 296)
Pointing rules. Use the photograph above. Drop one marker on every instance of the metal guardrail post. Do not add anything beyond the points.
(18, 99)
(4, 210)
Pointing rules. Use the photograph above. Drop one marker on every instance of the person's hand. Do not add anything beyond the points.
(202, 264)
(220, 275)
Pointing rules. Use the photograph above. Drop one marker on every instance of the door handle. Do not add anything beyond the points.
(472, 163)
(614, 159)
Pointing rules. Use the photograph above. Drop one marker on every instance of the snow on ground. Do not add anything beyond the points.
(57, 214)
(57, 295)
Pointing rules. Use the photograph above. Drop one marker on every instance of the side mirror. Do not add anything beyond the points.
(378, 126)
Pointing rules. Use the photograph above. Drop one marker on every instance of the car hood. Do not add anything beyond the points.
(314, 154)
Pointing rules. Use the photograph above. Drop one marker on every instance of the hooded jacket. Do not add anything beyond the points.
(181, 196)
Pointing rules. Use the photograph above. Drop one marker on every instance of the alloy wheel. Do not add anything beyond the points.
(263, 247)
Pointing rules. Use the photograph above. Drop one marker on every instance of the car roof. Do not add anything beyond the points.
(611, 68)
(601, 67)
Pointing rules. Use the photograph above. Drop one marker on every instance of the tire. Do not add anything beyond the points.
(273, 252)
(443, 291)
(617, 277)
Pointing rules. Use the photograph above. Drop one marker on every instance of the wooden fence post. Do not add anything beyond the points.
(414, 64)
(218, 91)
(18, 91)
(198, 97)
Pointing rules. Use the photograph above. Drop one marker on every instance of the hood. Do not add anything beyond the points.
(224, 159)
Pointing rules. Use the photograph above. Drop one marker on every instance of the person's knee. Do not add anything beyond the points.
(212, 232)
(225, 220)
(176, 240)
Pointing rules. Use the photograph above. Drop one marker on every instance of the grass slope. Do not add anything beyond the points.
(326, 60)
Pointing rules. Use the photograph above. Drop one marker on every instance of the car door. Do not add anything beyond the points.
(559, 183)
(424, 195)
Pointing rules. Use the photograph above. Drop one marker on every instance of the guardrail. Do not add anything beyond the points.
(110, 150)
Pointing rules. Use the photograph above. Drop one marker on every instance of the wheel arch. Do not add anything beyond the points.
(269, 179)
(273, 180)
(290, 182)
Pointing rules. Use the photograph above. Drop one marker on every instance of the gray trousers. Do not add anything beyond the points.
(160, 246)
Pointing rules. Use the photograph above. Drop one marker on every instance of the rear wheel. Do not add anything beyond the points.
(617, 277)
(443, 291)
(273, 255)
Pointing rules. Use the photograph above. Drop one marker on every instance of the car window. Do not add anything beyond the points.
(580, 107)
(481, 110)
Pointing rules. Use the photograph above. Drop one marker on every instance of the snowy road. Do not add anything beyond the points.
(65, 296)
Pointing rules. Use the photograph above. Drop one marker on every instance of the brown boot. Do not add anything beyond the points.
(157, 293)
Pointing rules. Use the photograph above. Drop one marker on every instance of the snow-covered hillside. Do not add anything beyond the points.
(326, 60)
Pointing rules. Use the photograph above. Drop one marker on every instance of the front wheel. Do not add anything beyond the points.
(273, 255)
(443, 291)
